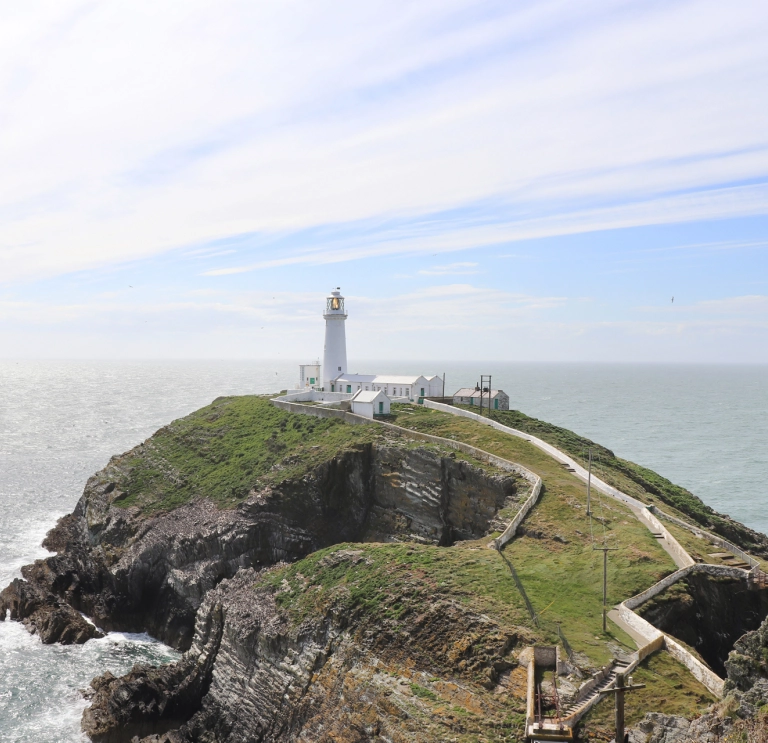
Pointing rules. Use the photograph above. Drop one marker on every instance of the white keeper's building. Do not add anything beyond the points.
(334, 376)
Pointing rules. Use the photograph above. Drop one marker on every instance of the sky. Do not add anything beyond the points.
(518, 181)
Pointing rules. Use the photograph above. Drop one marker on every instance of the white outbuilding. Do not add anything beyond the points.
(469, 396)
(370, 403)
(411, 387)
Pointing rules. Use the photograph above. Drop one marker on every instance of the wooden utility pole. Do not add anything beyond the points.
(605, 551)
(619, 689)
(589, 484)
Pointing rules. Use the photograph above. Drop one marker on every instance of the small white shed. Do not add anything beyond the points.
(370, 403)
(469, 396)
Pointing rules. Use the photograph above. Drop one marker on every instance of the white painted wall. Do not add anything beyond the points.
(362, 408)
(309, 376)
(335, 349)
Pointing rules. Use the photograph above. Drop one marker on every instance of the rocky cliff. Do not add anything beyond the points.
(135, 568)
(339, 667)
(323, 581)
(709, 614)
(742, 717)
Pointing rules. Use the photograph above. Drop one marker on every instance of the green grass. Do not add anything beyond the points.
(423, 693)
(223, 450)
(232, 446)
(554, 557)
(392, 581)
(633, 479)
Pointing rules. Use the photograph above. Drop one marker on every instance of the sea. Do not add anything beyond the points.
(703, 426)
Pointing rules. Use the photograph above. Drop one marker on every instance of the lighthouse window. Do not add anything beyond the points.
(335, 303)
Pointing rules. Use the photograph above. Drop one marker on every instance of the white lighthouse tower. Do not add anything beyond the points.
(335, 350)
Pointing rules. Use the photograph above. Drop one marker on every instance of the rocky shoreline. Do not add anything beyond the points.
(360, 644)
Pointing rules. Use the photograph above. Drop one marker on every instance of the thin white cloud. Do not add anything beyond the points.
(752, 306)
(132, 129)
(755, 305)
(464, 268)
(453, 321)
(712, 204)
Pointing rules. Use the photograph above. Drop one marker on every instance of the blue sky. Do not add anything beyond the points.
(501, 180)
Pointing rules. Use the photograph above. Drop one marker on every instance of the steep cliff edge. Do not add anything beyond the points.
(160, 526)
(742, 717)
(709, 614)
(354, 643)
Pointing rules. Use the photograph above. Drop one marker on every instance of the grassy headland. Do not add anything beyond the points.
(223, 450)
(554, 556)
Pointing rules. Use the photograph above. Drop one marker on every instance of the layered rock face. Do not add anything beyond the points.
(252, 675)
(710, 614)
(741, 716)
(133, 573)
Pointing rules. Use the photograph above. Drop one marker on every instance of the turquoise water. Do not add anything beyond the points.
(703, 427)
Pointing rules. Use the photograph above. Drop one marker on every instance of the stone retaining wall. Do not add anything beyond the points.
(717, 541)
(674, 546)
(320, 411)
(683, 557)
(707, 677)
(530, 713)
(545, 656)
(700, 671)
(664, 583)
(483, 456)
(513, 525)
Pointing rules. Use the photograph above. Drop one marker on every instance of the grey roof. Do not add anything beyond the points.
(368, 395)
(471, 392)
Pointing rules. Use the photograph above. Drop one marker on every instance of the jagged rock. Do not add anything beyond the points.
(151, 700)
(45, 615)
(748, 661)
(658, 728)
(131, 572)
(325, 679)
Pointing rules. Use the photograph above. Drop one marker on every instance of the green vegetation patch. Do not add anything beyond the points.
(393, 581)
(227, 448)
(554, 553)
(423, 693)
(633, 479)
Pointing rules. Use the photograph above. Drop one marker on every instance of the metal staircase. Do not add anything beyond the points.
(561, 726)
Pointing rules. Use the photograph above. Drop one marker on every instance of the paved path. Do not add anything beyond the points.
(642, 517)
(637, 507)
(614, 616)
